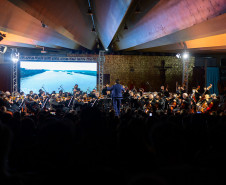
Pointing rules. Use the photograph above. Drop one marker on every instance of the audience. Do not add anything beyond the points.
(95, 147)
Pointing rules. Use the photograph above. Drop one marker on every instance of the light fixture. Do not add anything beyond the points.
(137, 11)
(2, 36)
(106, 49)
(43, 50)
(43, 24)
(178, 55)
(90, 12)
(185, 55)
(125, 27)
(15, 55)
(117, 39)
(93, 29)
(3, 49)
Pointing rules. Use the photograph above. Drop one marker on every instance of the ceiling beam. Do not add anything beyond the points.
(68, 18)
(18, 22)
(162, 25)
(108, 15)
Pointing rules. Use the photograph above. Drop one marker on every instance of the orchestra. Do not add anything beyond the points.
(163, 101)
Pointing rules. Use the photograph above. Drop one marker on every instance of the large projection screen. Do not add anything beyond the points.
(53, 76)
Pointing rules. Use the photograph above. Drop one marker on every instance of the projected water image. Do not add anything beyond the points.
(54, 75)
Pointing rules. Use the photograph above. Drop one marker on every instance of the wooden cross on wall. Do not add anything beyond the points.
(162, 70)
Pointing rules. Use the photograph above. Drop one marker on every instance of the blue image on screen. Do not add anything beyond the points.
(54, 76)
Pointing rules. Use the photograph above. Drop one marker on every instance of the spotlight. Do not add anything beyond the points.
(185, 55)
(125, 27)
(117, 39)
(98, 46)
(178, 55)
(106, 49)
(3, 49)
(137, 11)
(15, 56)
(90, 12)
(2, 36)
(43, 24)
(93, 29)
(43, 50)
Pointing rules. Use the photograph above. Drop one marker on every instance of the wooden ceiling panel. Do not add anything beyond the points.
(68, 18)
(160, 26)
(108, 15)
(169, 17)
(207, 28)
(16, 21)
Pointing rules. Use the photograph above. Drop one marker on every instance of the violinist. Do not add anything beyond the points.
(206, 90)
(150, 103)
(180, 91)
(30, 103)
(215, 104)
(76, 91)
(141, 91)
(174, 103)
(159, 102)
(53, 102)
(31, 93)
(206, 104)
(93, 93)
(195, 94)
(186, 102)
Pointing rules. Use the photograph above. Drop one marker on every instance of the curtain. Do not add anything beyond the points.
(212, 77)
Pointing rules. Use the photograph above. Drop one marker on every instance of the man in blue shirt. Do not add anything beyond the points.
(116, 94)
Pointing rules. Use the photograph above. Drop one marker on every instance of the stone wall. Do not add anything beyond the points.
(141, 71)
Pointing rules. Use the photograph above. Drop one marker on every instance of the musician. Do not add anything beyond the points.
(150, 103)
(93, 93)
(30, 103)
(180, 91)
(186, 102)
(126, 94)
(160, 102)
(215, 103)
(104, 90)
(76, 90)
(206, 91)
(61, 93)
(141, 91)
(31, 93)
(174, 102)
(116, 96)
(53, 103)
(196, 94)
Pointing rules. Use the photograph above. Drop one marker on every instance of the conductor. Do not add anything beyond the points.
(116, 94)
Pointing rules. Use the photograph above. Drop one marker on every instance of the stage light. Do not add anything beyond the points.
(117, 39)
(106, 49)
(93, 29)
(185, 55)
(43, 51)
(90, 12)
(15, 56)
(138, 10)
(2, 36)
(43, 24)
(178, 55)
(125, 27)
(3, 49)
(98, 46)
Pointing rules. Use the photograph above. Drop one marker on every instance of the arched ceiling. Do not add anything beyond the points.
(153, 25)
